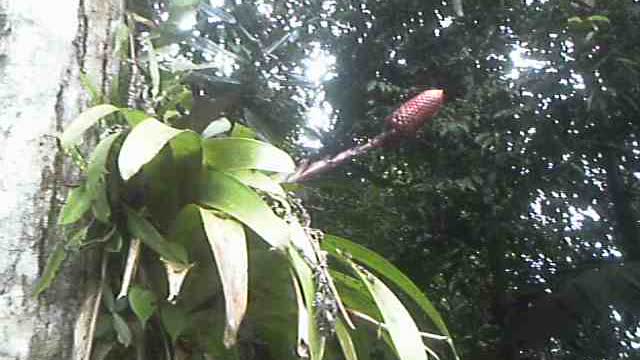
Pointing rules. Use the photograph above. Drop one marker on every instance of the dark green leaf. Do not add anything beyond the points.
(78, 202)
(54, 262)
(122, 329)
(140, 228)
(174, 320)
(143, 303)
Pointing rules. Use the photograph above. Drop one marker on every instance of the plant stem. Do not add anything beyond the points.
(329, 163)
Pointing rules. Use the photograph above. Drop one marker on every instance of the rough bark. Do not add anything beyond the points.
(44, 45)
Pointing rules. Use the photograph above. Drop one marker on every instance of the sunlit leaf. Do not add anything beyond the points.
(241, 131)
(54, 262)
(143, 303)
(599, 18)
(73, 134)
(134, 117)
(223, 192)
(228, 245)
(143, 144)
(258, 180)
(122, 330)
(141, 228)
(403, 330)
(78, 203)
(241, 153)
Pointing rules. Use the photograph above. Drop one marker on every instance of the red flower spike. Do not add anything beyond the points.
(411, 115)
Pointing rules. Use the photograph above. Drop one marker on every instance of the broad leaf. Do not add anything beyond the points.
(78, 202)
(140, 228)
(403, 330)
(174, 320)
(258, 180)
(54, 262)
(240, 153)
(334, 244)
(229, 247)
(143, 144)
(223, 192)
(143, 303)
(73, 134)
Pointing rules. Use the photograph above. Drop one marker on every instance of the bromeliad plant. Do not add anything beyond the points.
(206, 255)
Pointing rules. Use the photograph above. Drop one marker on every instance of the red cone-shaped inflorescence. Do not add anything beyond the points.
(410, 117)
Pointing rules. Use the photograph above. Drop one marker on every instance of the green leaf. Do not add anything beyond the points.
(90, 87)
(305, 278)
(134, 117)
(143, 303)
(96, 182)
(599, 18)
(140, 228)
(122, 329)
(78, 202)
(239, 153)
(403, 330)
(225, 193)
(258, 180)
(229, 247)
(355, 294)
(142, 144)
(334, 244)
(174, 320)
(73, 134)
(348, 348)
(54, 262)
(241, 131)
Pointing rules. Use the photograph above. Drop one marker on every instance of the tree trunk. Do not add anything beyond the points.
(44, 46)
